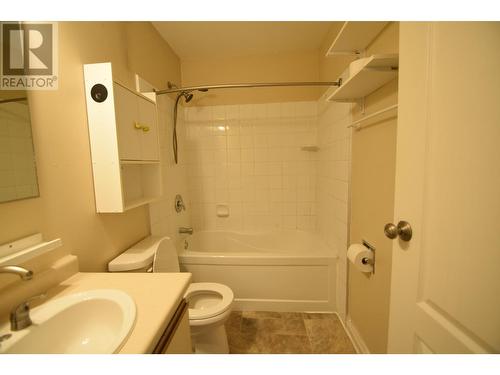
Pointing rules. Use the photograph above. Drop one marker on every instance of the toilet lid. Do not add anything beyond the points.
(222, 293)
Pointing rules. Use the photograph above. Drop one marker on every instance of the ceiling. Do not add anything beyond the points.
(194, 40)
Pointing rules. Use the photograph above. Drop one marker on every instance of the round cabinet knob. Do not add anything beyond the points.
(403, 230)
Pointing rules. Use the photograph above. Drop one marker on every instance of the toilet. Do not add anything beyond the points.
(209, 303)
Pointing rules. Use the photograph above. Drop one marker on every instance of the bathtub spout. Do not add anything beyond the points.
(184, 230)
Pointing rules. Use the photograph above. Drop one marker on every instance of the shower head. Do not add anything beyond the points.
(187, 96)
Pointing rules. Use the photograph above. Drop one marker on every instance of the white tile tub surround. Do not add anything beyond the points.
(249, 157)
(164, 220)
(333, 180)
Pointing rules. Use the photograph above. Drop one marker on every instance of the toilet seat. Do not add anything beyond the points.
(213, 308)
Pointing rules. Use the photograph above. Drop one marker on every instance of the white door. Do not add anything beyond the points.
(149, 136)
(445, 293)
(127, 117)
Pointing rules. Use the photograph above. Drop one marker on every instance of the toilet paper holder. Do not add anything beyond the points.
(368, 260)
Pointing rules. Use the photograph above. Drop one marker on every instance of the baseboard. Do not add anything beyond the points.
(243, 304)
(354, 335)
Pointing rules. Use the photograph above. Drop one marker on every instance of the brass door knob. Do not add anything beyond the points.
(403, 230)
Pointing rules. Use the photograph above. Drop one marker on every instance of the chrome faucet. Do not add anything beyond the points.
(20, 316)
(23, 273)
(184, 230)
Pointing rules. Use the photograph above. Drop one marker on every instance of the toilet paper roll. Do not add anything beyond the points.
(356, 253)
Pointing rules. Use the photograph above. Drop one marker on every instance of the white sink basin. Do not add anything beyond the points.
(95, 321)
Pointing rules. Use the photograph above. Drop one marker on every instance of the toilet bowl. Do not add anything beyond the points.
(209, 303)
(209, 307)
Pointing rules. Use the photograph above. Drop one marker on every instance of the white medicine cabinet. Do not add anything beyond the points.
(123, 131)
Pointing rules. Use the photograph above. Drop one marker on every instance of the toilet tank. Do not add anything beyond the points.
(141, 256)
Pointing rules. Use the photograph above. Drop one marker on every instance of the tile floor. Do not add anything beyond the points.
(267, 332)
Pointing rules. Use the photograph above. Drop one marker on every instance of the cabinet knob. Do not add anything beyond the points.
(140, 126)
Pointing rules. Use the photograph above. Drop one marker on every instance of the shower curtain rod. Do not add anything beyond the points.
(245, 85)
(12, 100)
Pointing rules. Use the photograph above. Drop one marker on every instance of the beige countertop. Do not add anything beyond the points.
(156, 296)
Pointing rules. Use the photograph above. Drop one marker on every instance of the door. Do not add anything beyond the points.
(149, 136)
(445, 291)
(127, 117)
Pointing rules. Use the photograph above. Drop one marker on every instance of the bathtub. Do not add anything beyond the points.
(277, 271)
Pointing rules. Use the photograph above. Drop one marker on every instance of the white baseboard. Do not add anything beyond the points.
(243, 304)
(354, 335)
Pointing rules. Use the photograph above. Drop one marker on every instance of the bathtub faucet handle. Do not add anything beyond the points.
(179, 204)
(184, 230)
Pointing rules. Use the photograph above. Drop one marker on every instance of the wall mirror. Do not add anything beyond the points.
(18, 178)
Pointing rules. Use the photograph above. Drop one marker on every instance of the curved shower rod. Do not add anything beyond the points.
(245, 85)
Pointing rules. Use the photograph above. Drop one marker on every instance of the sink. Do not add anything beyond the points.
(92, 322)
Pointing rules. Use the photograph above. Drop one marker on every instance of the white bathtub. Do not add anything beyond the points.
(278, 271)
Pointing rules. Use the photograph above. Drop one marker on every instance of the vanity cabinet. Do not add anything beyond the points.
(176, 339)
(123, 132)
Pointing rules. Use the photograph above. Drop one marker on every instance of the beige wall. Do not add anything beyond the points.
(66, 205)
(269, 68)
(372, 203)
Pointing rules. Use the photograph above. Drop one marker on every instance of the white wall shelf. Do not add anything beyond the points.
(365, 76)
(354, 37)
(17, 252)
(123, 130)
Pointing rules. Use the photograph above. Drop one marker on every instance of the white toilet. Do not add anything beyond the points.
(209, 303)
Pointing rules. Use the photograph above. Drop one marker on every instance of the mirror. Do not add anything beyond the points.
(18, 178)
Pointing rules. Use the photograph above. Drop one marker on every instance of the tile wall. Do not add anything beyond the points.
(334, 159)
(248, 158)
(164, 220)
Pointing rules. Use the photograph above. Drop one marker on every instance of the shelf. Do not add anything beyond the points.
(139, 162)
(141, 184)
(19, 251)
(354, 37)
(365, 76)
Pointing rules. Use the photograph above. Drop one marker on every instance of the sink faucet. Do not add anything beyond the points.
(184, 230)
(23, 273)
(20, 316)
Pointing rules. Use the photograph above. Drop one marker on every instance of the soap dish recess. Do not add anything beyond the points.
(310, 148)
